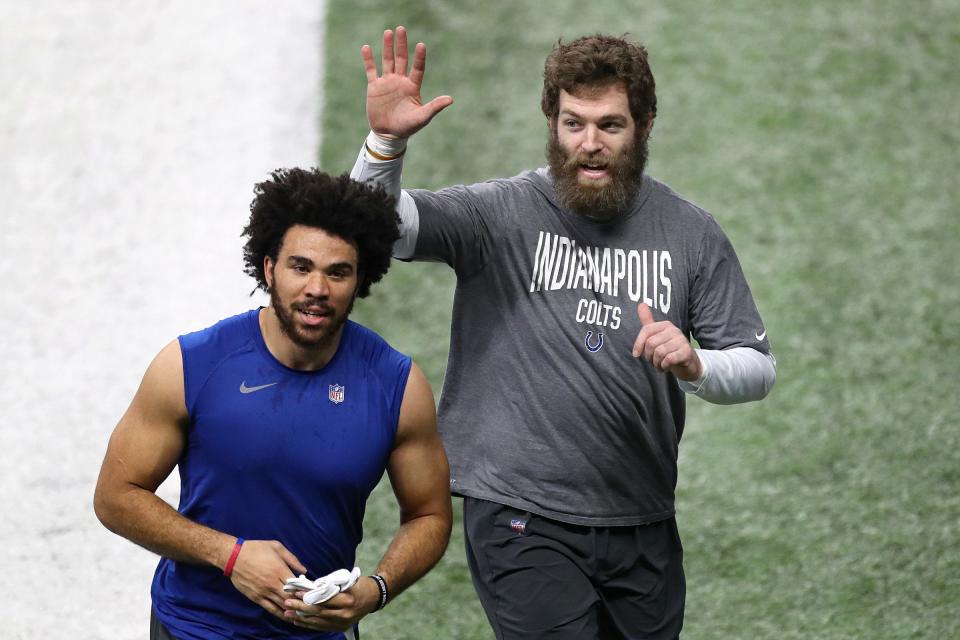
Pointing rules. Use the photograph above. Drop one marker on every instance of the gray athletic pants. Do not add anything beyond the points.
(157, 630)
(540, 578)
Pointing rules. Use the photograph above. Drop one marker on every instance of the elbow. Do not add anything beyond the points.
(447, 530)
(107, 508)
(101, 508)
(765, 378)
(769, 376)
(739, 375)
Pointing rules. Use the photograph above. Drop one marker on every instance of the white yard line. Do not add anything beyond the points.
(131, 137)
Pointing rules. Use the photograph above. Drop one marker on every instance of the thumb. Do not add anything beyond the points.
(438, 104)
(646, 316)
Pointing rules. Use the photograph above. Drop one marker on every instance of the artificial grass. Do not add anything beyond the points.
(823, 137)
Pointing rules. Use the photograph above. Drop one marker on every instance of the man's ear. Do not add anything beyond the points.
(552, 125)
(356, 289)
(268, 271)
(649, 126)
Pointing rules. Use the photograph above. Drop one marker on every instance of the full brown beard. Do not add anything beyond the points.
(598, 203)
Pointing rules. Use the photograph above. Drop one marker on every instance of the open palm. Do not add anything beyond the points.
(394, 105)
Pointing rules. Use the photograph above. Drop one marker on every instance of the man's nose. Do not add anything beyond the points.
(591, 140)
(317, 286)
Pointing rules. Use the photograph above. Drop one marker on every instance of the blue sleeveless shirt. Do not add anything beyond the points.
(273, 453)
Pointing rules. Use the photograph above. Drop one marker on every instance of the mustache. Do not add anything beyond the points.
(315, 306)
(578, 159)
(626, 173)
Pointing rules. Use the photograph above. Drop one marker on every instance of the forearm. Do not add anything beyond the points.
(369, 168)
(732, 376)
(145, 519)
(417, 546)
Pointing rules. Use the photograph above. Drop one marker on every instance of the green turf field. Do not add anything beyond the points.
(824, 137)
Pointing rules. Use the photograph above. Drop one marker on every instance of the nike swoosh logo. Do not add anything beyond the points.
(759, 337)
(245, 389)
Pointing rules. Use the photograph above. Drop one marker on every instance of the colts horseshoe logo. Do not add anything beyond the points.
(596, 347)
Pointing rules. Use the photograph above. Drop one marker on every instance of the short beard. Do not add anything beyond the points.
(597, 203)
(317, 339)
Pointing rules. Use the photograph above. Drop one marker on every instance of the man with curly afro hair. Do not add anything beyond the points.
(281, 421)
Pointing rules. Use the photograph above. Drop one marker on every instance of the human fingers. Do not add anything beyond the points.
(647, 328)
(684, 362)
(386, 57)
(305, 619)
(638, 344)
(316, 623)
(291, 560)
(670, 350)
(647, 332)
(340, 603)
(400, 54)
(315, 616)
(272, 607)
(369, 66)
(295, 604)
(657, 344)
(419, 64)
(268, 595)
(677, 357)
(646, 315)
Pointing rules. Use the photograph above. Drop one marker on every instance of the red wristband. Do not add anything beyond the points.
(227, 570)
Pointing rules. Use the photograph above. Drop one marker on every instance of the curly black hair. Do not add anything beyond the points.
(358, 212)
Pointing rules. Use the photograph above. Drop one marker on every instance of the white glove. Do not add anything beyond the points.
(322, 589)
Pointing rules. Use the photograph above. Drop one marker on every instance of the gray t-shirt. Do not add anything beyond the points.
(543, 407)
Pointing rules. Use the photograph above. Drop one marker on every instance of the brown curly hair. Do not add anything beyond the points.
(595, 61)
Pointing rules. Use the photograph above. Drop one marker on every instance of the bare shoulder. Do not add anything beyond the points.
(162, 386)
(149, 438)
(418, 413)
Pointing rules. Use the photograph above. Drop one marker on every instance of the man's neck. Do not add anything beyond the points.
(288, 352)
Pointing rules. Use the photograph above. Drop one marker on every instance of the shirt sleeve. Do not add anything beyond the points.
(740, 374)
(722, 311)
(734, 348)
(387, 174)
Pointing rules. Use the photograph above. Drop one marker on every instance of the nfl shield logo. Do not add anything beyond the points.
(335, 393)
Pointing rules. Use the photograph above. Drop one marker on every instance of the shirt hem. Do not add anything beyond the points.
(568, 518)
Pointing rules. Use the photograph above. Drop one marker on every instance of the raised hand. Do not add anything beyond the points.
(261, 571)
(665, 347)
(394, 106)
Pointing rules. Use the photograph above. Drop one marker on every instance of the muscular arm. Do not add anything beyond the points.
(143, 450)
(420, 478)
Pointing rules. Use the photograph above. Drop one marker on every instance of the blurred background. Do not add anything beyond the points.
(823, 137)
(131, 137)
